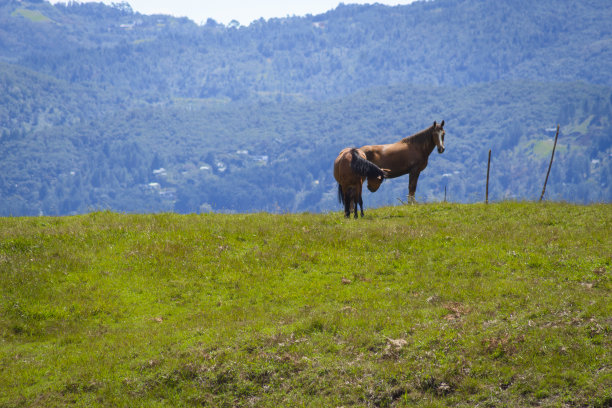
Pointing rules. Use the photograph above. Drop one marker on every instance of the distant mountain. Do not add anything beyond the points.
(101, 107)
(442, 42)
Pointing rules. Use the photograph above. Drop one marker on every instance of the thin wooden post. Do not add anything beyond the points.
(444, 193)
(488, 168)
(552, 156)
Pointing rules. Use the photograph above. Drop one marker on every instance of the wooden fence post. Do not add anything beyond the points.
(488, 168)
(552, 156)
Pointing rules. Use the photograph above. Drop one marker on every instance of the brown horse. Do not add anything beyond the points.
(408, 156)
(350, 170)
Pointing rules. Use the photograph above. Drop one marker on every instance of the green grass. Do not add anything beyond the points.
(428, 305)
(32, 15)
(543, 148)
(582, 127)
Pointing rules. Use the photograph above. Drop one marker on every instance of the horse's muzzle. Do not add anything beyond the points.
(440, 150)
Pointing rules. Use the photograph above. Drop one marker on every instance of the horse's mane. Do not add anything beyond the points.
(364, 167)
(421, 137)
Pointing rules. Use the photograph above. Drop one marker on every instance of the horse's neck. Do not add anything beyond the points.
(429, 145)
(423, 141)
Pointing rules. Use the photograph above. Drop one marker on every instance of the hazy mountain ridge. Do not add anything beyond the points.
(352, 47)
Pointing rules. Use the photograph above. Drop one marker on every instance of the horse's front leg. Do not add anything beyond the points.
(412, 185)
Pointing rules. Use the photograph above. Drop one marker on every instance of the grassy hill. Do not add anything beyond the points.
(427, 305)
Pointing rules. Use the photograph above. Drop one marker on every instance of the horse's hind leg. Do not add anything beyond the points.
(347, 204)
(361, 205)
(356, 200)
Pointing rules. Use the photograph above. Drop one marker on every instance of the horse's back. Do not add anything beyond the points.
(372, 153)
(398, 157)
(343, 173)
(342, 161)
(381, 155)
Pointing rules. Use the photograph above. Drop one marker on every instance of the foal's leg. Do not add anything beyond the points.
(412, 185)
(356, 203)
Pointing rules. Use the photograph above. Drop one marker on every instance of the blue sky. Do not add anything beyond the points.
(244, 11)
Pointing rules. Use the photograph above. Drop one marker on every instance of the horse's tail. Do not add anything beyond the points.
(340, 195)
(364, 167)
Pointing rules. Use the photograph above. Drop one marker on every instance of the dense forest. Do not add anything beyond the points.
(105, 108)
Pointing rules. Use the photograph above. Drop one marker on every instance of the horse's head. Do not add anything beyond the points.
(438, 136)
(375, 182)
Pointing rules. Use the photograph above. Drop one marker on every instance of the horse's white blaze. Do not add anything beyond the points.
(440, 142)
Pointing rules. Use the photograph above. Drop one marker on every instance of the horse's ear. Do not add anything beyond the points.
(442, 124)
(434, 125)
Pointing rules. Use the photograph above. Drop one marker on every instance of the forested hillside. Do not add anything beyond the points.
(102, 107)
